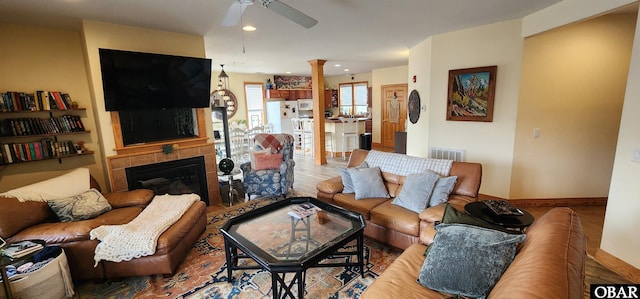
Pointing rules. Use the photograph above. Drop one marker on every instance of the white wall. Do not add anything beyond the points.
(489, 143)
(420, 66)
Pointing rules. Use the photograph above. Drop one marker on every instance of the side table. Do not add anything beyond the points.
(228, 180)
(517, 223)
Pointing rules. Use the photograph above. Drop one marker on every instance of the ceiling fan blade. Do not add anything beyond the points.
(233, 14)
(290, 13)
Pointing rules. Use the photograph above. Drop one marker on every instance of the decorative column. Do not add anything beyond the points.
(317, 90)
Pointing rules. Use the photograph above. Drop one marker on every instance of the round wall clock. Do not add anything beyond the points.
(414, 106)
(228, 99)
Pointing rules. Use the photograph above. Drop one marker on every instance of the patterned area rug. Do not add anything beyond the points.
(203, 273)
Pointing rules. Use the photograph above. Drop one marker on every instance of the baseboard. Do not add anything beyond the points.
(552, 202)
(617, 265)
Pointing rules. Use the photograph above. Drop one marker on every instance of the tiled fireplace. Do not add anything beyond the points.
(119, 164)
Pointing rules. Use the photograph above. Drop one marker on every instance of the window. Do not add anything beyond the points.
(255, 104)
(353, 98)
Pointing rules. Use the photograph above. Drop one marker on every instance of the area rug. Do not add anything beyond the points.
(203, 274)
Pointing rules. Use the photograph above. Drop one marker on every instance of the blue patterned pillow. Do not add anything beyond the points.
(467, 260)
(83, 206)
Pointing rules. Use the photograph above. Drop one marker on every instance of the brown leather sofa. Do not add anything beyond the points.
(550, 263)
(35, 220)
(395, 225)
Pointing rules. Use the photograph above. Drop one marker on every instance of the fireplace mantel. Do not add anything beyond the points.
(117, 165)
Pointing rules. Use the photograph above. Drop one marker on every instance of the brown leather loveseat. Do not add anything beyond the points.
(550, 263)
(35, 220)
(395, 225)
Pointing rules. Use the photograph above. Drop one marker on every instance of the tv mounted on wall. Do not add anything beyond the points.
(144, 81)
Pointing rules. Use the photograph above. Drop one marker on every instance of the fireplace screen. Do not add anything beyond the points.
(172, 177)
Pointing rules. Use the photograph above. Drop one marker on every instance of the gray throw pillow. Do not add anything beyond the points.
(416, 191)
(83, 206)
(368, 183)
(467, 260)
(346, 178)
(441, 191)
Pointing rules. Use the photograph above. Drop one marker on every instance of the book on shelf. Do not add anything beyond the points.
(20, 249)
(502, 208)
(303, 210)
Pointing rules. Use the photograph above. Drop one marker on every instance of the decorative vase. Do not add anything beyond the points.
(226, 165)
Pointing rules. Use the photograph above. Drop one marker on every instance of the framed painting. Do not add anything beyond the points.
(471, 94)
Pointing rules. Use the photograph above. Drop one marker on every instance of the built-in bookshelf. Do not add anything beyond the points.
(31, 125)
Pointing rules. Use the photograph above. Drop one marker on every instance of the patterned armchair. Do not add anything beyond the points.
(271, 181)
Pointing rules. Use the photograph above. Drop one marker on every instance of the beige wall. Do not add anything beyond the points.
(420, 65)
(572, 88)
(490, 143)
(621, 219)
(35, 58)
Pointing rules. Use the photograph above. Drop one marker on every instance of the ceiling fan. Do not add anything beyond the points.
(237, 8)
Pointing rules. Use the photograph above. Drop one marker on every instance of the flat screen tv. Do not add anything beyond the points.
(143, 81)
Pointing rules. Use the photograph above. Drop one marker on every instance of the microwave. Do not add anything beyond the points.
(305, 104)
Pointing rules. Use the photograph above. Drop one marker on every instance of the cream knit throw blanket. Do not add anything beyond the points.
(139, 237)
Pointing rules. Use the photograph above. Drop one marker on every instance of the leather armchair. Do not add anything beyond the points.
(269, 182)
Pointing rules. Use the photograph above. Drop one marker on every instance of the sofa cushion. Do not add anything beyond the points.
(416, 191)
(16, 216)
(363, 206)
(65, 232)
(86, 205)
(255, 153)
(441, 191)
(368, 183)
(460, 249)
(396, 218)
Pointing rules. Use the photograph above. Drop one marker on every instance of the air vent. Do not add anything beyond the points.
(447, 154)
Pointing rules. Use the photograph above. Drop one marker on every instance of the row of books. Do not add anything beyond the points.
(20, 249)
(38, 101)
(40, 126)
(36, 150)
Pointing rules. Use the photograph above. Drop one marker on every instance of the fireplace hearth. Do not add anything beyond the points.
(171, 177)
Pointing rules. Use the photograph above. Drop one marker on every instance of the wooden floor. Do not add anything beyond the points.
(307, 175)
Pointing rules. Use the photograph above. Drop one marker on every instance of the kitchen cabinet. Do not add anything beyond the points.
(278, 93)
(331, 98)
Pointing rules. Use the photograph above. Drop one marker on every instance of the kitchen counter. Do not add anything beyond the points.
(335, 127)
(337, 120)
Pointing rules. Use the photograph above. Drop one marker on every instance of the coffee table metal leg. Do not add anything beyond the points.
(361, 253)
(230, 256)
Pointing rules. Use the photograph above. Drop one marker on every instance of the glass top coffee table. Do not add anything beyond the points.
(281, 243)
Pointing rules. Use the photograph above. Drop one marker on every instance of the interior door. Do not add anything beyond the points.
(394, 112)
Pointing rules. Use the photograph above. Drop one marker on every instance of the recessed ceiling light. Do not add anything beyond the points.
(346, 70)
(288, 72)
(336, 65)
(249, 28)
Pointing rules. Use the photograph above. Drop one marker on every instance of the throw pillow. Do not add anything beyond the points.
(346, 178)
(416, 191)
(68, 184)
(272, 161)
(255, 153)
(441, 191)
(367, 182)
(458, 250)
(86, 205)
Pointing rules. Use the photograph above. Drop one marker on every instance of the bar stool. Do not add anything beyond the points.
(328, 143)
(307, 136)
(349, 130)
(296, 124)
